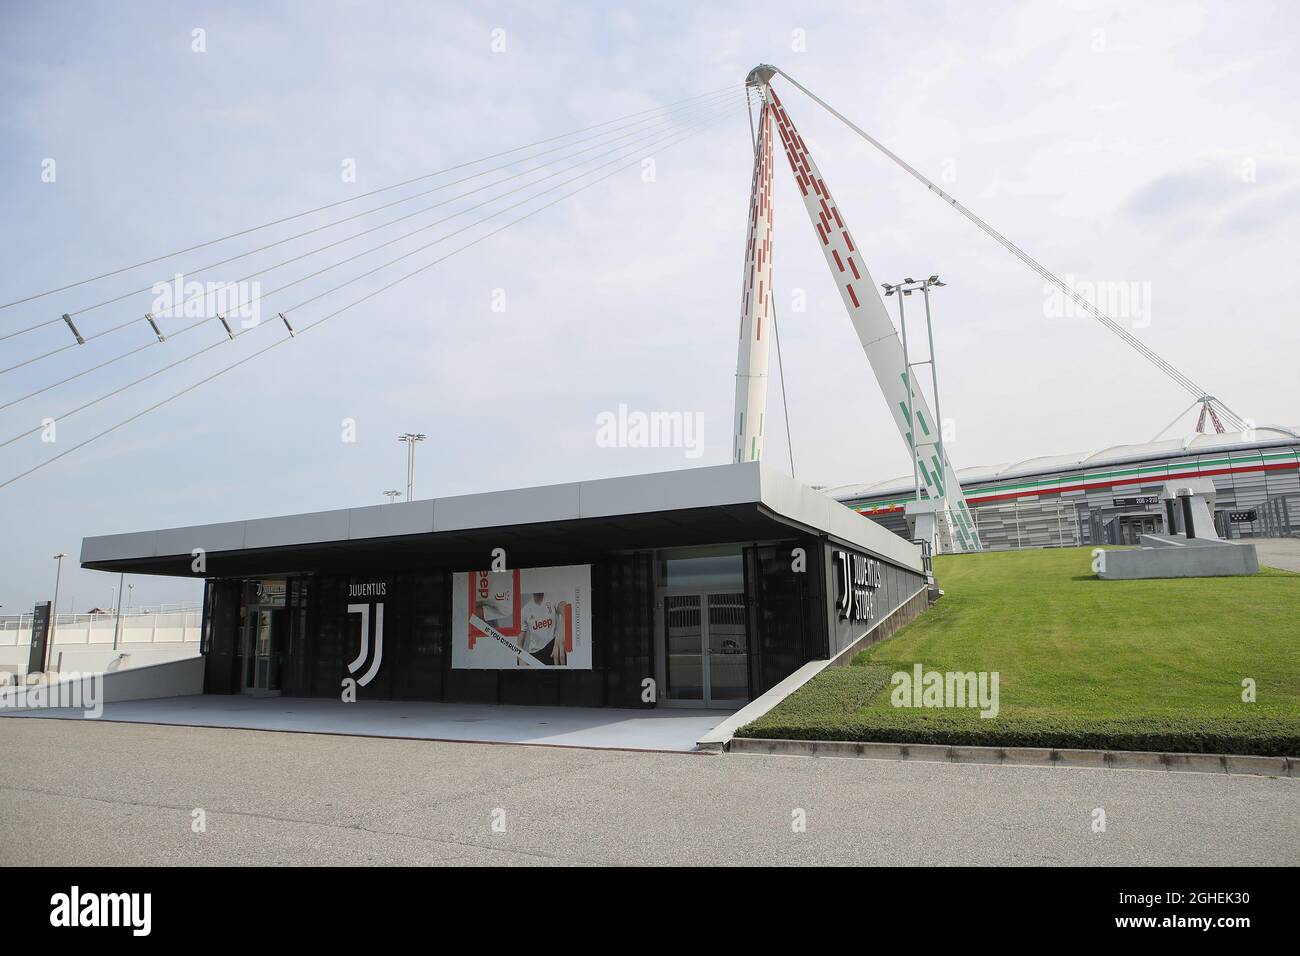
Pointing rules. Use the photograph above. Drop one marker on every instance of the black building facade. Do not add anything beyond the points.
(731, 584)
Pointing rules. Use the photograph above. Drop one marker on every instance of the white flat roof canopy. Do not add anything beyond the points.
(711, 505)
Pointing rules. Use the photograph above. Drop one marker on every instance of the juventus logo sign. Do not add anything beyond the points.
(354, 666)
(856, 580)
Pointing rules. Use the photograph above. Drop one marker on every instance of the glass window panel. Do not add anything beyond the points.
(715, 571)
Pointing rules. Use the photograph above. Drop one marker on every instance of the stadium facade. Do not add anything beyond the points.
(1111, 496)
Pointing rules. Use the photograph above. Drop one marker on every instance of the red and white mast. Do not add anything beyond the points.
(880, 340)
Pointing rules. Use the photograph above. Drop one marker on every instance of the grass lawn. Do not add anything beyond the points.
(1126, 665)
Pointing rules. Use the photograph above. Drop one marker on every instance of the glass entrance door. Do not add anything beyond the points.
(683, 624)
(728, 650)
(261, 659)
(705, 648)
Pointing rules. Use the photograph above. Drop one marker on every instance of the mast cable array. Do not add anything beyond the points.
(117, 391)
(704, 120)
(340, 202)
(151, 317)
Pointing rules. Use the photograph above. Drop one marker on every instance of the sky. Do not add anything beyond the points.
(1150, 151)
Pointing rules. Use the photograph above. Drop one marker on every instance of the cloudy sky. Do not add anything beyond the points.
(1152, 148)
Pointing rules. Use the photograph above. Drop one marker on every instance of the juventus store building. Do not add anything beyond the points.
(701, 587)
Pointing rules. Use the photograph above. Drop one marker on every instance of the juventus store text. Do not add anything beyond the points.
(700, 587)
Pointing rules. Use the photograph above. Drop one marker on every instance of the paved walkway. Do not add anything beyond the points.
(84, 793)
(659, 729)
(1281, 553)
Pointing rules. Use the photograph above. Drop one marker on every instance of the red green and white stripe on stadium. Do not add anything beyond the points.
(1239, 464)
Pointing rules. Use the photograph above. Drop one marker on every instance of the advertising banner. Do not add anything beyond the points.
(530, 617)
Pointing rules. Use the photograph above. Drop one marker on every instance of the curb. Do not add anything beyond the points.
(1240, 764)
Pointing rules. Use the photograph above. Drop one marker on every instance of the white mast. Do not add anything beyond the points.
(756, 296)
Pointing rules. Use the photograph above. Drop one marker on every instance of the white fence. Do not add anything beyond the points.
(89, 642)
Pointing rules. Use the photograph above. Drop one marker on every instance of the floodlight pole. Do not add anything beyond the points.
(410, 438)
(934, 372)
(901, 289)
(907, 374)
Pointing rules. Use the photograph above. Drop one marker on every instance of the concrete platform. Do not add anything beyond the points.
(671, 729)
(1173, 556)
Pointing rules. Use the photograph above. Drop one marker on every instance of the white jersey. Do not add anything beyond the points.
(539, 625)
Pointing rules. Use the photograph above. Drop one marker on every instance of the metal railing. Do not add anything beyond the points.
(927, 558)
(9, 621)
(82, 628)
(1275, 516)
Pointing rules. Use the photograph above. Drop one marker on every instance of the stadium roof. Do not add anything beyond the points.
(1194, 444)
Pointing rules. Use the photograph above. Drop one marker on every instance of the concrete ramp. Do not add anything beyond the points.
(663, 729)
(170, 679)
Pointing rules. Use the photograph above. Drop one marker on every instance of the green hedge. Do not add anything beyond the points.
(830, 707)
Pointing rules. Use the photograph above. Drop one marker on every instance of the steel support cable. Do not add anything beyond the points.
(639, 143)
(1160, 433)
(706, 123)
(94, 368)
(373, 192)
(1179, 377)
(659, 121)
(326, 318)
(188, 328)
(348, 282)
(997, 236)
(207, 319)
(1109, 323)
(780, 367)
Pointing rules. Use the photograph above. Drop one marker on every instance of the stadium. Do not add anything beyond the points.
(1111, 495)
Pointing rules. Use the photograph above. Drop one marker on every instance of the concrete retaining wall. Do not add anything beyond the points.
(83, 659)
(904, 614)
(172, 679)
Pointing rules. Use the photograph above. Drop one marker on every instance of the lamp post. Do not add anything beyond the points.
(392, 496)
(410, 438)
(54, 611)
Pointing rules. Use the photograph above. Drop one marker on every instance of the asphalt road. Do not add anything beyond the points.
(98, 793)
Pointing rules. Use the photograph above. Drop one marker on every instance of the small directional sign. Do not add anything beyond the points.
(1250, 514)
(1134, 502)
